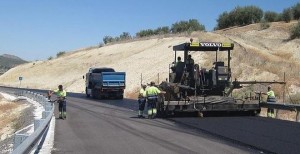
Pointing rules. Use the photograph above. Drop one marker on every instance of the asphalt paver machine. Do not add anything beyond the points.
(191, 88)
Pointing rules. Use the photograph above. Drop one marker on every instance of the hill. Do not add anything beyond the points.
(266, 54)
(258, 55)
(9, 61)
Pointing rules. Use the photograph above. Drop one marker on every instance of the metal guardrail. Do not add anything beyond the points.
(277, 107)
(24, 143)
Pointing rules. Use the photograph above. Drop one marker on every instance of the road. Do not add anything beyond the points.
(111, 126)
(102, 126)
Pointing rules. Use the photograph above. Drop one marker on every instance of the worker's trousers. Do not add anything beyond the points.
(62, 108)
(152, 111)
(142, 102)
(270, 112)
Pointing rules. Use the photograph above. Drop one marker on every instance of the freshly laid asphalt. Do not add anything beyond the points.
(111, 126)
(102, 126)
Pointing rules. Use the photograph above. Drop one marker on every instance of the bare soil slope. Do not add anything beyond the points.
(266, 54)
(258, 55)
(9, 112)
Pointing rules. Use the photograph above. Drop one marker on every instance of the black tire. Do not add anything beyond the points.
(87, 95)
(94, 94)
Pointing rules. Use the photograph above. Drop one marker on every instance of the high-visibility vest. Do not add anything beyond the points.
(271, 93)
(271, 96)
(152, 92)
(142, 93)
(59, 93)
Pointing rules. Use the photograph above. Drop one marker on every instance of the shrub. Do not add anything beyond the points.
(50, 58)
(125, 36)
(264, 25)
(185, 26)
(108, 39)
(59, 54)
(116, 39)
(162, 30)
(224, 21)
(279, 17)
(295, 31)
(296, 11)
(287, 15)
(270, 16)
(240, 16)
(145, 33)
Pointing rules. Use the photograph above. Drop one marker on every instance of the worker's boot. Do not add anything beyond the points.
(60, 115)
(64, 115)
(272, 115)
(150, 114)
(140, 114)
(154, 113)
(268, 114)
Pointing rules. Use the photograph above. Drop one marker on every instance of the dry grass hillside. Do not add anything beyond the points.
(266, 54)
(258, 55)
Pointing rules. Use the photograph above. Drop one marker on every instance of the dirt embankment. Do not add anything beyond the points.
(266, 55)
(13, 116)
(258, 55)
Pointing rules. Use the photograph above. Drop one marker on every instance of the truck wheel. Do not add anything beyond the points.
(87, 95)
(94, 94)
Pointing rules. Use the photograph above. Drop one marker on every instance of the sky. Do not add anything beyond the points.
(37, 29)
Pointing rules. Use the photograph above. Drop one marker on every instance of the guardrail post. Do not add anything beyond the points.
(37, 123)
(18, 139)
(297, 116)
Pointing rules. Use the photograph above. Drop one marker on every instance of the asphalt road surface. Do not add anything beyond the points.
(111, 126)
(102, 126)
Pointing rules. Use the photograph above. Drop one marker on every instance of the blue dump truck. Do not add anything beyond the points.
(105, 82)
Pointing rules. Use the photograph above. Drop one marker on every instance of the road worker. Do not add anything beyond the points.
(190, 68)
(173, 68)
(190, 63)
(152, 93)
(142, 101)
(178, 60)
(270, 99)
(61, 96)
